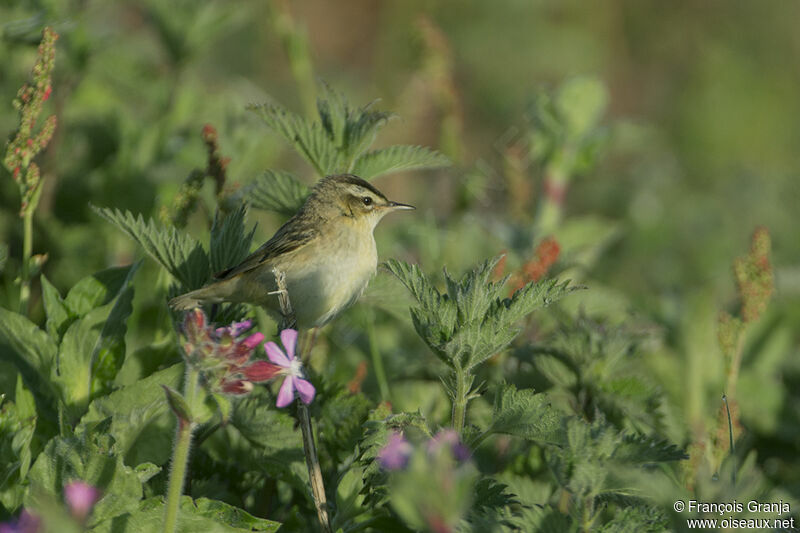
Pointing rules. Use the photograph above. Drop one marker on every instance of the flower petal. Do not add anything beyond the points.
(276, 355)
(253, 340)
(260, 371)
(305, 389)
(286, 394)
(289, 340)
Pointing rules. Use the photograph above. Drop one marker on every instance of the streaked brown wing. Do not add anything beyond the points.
(291, 236)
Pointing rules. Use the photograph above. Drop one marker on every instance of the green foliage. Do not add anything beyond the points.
(230, 241)
(178, 253)
(472, 320)
(523, 413)
(590, 365)
(337, 143)
(277, 191)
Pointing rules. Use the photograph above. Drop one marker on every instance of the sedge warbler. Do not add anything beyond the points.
(326, 251)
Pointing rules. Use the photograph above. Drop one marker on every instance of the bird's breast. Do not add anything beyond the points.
(331, 276)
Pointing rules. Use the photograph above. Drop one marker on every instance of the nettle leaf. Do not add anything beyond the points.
(523, 413)
(80, 458)
(202, 514)
(135, 411)
(264, 439)
(310, 139)
(277, 191)
(339, 427)
(472, 320)
(29, 349)
(230, 242)
(181, 255)
(340, 140)
(396, 159)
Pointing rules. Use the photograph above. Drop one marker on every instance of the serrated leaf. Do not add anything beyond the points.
(309, 139)
(72, 458)
(641, 449)
(58, 314)
(230, 242)
(277, 191)
(523, 413)
(202, 514)
(471, 321)
(178, 253)
(135, 409)
(396, 159)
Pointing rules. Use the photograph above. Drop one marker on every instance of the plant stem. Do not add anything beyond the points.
(180, 454)
(460, 400)
(314, 472)
(27, 251)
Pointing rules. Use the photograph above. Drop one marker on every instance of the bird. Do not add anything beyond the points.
(326, 252)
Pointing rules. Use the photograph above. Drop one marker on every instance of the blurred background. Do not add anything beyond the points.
(692, 112)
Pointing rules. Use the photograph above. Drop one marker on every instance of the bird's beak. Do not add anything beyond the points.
(397, 205)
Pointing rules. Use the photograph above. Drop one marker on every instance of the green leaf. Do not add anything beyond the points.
(471, 321)
(137, 410)
(98, 289)
(58, 314)
(3, 256)
(230, 243)
(93, 349)
(396, 159)
(349, 497)
(178, 404)
(310, 139)
(178, 253)
(29, 348)
(208, 516)
(277, 191)
(66, 459)
(525, 414)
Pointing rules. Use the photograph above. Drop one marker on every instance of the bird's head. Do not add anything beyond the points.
(350, 196)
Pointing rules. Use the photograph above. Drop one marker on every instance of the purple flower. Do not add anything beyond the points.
(449, 438)
(26, 523)
(292, 368)
(396, 453)
(80, 498)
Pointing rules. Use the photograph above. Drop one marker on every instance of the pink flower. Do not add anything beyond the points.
(395, 455)
(292, 368)
(80, 498)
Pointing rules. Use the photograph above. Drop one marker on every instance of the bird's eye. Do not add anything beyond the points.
(367, 200)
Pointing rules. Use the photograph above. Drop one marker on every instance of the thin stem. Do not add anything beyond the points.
(314, 471)
(377, 360)
(460, 400)
(730, 436)
(27, 251)
(180, 454)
